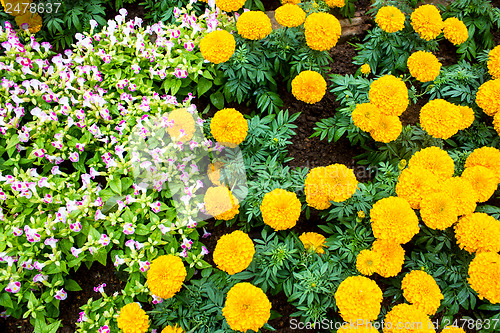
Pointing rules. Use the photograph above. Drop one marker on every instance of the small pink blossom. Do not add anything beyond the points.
(75, 227)
(104, 240)
(143, 265)
(128, 229)
(75, 251)
(61, 294)
(155, 206)
(13, 287)
(104, 329)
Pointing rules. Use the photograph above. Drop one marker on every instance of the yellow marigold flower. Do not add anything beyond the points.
(366, 116)
(483, 181)
(172, 329)
(363, 328)
(290, 15)
(390, 94)
(16, 7)
(254, 25)
(280, 209)
(484, 276)
(439, 211)
(392, 257)
(221, 203)
(183, 125)
(335, 3)
(478, 232)
(416, 183)
(229, 5)
(439, 118)
(455, 31)
(487, 157)
(166, 275)
(434, 159)
(453, 329)
(247, 307)
(390, 19)
(29, 21)
(488, 97)
(421, 290)
(293, 2)
(342, 182)
(229, 127)
(313, 241)
(322, 31)
(358, 297)
(213, 172)
(217, 46)
(234, 252)
(133, 319)
(365, 69)
(424, 66)
(367, 262)
(409, 317)
(427, 22)
(387, 129)
(316, 187)
(463, 194)
(393, 219)
(467, 117)
(309, 87)
(494, 62)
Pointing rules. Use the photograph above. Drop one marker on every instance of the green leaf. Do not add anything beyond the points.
(116, 185)
(217, 100)
(72, 285)
(5, 300)
(203, 86)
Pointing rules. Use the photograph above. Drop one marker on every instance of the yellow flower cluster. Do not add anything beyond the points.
(467, 117)
(229, 5)
(427, 22)
(365, 69)
(290, 15)
(455, 31)
(313, 241)
(416, 183)
(358, 297)
(293, 2)
(483, 181)
(280, 209)
(389, 94)
(366, 116)
(172, 329)
(322, 31)
(392, 257)
(217, 46)
(494, 62)
(488, 157)
(213, 172)
(409, 316)
(453, 329)
(234, 252)
(254, 25)
(133, 319)
(463, 193)
(394, 220)
(484, 276)
(221, 203)
(247, 307)
(335, 3)
(309, 87)
(390, 19)
(488, 97)
(434, 159)
(439, 210)
(183, 125)
(335, 182)
(478, 232)
(367, 262)
(441, 119)
(166, 275)
(424, 66)
(421, 290)
(229, 127)
(387, 129)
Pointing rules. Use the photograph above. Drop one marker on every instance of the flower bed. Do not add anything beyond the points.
(105, 156)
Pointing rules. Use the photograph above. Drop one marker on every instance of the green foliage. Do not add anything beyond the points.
(163, 10)
(481, 19)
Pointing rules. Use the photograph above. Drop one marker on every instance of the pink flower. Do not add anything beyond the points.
(51, 242)
(75, 251)
(104, 240)
(40, 278)
(13, 287)
(156, 299)
(82, 318)
(39, 152)
(189, 46)
(130, 244)
(3, 196)
(47, 199)
(74, 157)
(100, 288)
(128, 229)
(204, 250)
(99, 215)
(61, 294)
(80, 146)
(143, 265)
(180, 73)
(118, 261)
(186, 244)
(75, 227)
(104, 329)
(55, 170)
(16, 231)
(155, 206)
